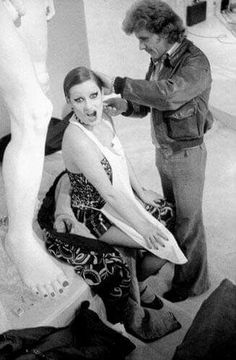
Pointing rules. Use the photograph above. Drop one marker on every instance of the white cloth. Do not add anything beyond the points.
(120, 180)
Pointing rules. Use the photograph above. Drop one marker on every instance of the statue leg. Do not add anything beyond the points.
(30, 111)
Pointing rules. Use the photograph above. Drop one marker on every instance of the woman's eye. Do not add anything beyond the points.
(94, 95)
(79, 100)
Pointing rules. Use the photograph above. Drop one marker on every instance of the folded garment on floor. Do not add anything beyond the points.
(212, 334)
(86, 337)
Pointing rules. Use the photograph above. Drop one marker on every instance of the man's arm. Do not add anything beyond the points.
(117, 105)
(168, 94)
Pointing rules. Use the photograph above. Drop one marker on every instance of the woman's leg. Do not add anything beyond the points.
(100, 265)
(149, 265)
(117, 237)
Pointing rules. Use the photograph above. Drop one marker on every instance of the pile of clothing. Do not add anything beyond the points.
(86, 337)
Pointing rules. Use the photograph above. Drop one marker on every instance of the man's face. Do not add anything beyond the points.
(155, 45)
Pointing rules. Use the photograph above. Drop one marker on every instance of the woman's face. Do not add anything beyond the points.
(87, 102)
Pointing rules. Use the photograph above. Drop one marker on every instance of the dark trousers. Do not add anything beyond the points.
(182, 176)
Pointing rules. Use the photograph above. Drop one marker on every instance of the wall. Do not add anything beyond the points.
(179, 6)
(68, 46)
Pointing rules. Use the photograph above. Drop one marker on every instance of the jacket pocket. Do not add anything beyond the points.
(182, 124)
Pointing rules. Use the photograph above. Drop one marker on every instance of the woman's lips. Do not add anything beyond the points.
(92, 116)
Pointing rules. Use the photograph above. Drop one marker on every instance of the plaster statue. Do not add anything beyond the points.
(23, 84)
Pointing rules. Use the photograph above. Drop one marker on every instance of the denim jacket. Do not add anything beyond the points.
(178, 99)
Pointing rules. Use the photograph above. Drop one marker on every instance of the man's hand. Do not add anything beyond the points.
(64, 224)
(107, 82)
(115, 106)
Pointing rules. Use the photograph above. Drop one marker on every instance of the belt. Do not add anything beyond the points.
(168, 150)
(180, 145)
(185, 144)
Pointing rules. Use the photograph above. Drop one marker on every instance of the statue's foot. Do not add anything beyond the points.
(35, 266)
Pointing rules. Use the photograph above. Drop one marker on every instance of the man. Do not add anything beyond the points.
(175, 92)
(23, 77)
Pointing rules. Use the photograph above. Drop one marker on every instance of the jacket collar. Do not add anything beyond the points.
(172, 60)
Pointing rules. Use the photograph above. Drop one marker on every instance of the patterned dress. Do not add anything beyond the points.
(99, 264)
(86, 203)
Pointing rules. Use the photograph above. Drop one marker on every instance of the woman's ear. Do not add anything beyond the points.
(67, 100)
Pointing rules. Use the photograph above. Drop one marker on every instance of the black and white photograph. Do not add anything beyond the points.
(118, 179)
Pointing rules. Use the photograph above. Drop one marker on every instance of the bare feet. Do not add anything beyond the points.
(36, 268)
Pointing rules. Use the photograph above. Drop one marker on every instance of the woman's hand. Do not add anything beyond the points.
(115, 106)
(154, 237)
(64, 224)
(150, 197)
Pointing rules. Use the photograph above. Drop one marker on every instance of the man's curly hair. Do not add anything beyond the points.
(156, 17)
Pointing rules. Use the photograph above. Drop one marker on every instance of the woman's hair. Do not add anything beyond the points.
(78, 76)
(156, 17)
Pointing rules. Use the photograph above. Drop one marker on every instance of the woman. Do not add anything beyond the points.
(105, 194)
